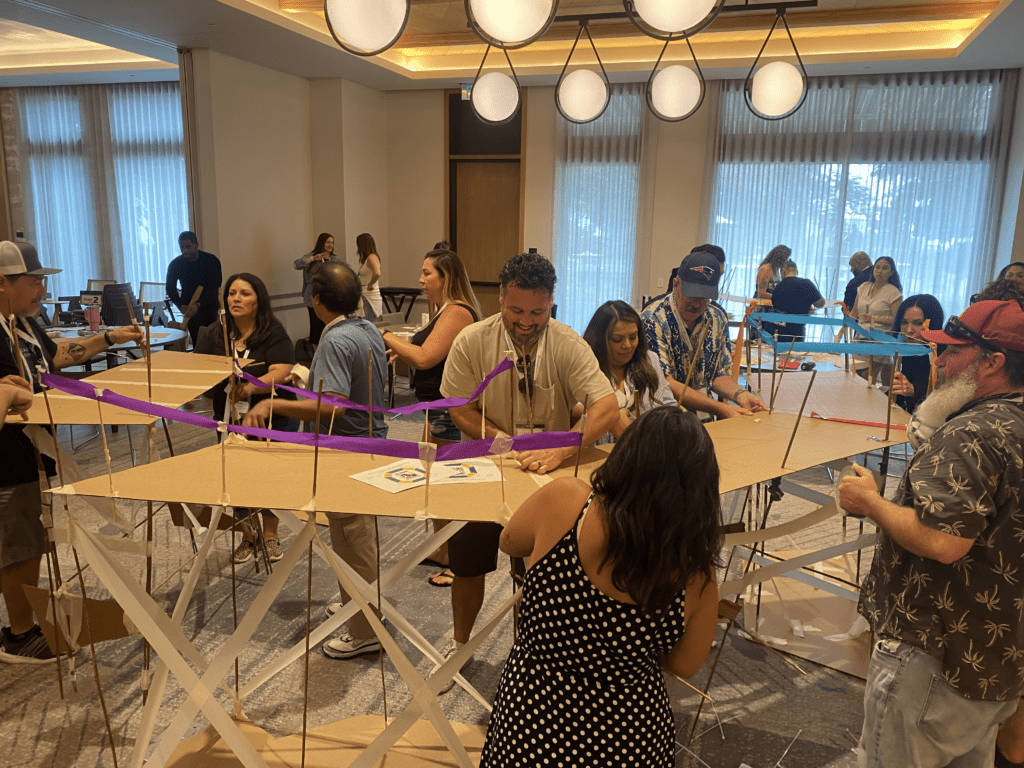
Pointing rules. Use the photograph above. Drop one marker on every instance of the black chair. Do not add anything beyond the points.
(115, 312)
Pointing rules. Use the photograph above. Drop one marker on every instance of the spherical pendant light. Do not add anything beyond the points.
(777, 89)
(366, 27)
(495, 97)
(510, 23)
(675, 93)
(673, 16)
(582, 96)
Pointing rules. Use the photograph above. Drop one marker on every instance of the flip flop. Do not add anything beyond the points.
(433, 563)
(446, 578)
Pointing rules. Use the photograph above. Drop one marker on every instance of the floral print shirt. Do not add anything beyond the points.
(673, 343)
(969, 615)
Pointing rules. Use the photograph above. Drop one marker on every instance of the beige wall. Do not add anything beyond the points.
(327, 162)
(539, 202)
(415, 181)
(364, 173)
(255, 157)
(1010, 245)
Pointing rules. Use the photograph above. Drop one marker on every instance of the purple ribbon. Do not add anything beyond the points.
(344, 402)
(399, 449)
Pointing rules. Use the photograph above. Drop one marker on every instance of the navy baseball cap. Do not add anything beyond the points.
(698, 275)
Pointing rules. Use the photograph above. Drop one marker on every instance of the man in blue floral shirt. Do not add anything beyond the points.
(676, 323)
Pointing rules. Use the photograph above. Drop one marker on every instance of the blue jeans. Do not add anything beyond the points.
(914, 718)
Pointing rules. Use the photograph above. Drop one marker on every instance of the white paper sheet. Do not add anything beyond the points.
(406, 474)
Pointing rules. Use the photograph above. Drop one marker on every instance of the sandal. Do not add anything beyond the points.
(443, 579)
(428, 560)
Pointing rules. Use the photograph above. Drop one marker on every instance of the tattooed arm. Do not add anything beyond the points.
(77, 352)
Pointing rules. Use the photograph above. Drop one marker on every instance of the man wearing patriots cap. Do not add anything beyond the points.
(22, 541)
(677, 322)
(945, 594)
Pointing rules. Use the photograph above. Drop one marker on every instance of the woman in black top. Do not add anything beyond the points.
(255, 334)
(446, 285)
(911, 383)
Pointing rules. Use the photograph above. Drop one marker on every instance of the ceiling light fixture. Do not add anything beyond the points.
(672, 19)
(777, 90)
(582, 96)
(366, 27)
(675, 92)
(510, 24)
(496, 97)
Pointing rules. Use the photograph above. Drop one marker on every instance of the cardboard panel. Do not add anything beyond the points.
(106, 619)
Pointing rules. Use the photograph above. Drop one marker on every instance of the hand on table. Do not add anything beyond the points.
(543, 461)
(750, 402)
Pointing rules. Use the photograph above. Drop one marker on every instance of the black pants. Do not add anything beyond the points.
(316, 326)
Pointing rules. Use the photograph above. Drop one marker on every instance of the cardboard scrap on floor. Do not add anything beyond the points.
(330, 746)
(824, 619)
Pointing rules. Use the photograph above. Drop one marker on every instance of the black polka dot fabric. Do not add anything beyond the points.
(582, 686)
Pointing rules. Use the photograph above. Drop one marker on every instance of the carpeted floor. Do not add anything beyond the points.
(762, 702)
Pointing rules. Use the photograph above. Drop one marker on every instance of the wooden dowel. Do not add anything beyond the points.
(15, 346)
(698, 352)
(782, 371)
(316, 433)
(583, 422)
(892, 394)
(775, 367)
(798, 417)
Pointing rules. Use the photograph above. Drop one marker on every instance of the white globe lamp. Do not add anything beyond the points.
(675, 93)
(777, 89)
(582, 96)
(495, 97)
(366, 27)
(673, 16)
(510, 23)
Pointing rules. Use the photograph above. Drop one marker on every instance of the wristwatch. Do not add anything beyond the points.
(106, 338)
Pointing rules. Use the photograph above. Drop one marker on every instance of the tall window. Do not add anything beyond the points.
(102, 176)
(907, 166)
(597, 177)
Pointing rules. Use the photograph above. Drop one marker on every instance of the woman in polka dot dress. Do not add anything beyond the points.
(621, 583)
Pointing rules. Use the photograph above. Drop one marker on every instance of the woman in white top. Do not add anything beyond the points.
(875, 307)
(369, 271)
(620, 346)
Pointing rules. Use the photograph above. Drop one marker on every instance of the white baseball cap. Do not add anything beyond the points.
(22, 259)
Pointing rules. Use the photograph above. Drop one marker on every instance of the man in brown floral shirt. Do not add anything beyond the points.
(945, 595)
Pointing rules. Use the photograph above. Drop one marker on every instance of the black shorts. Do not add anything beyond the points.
(473, 551)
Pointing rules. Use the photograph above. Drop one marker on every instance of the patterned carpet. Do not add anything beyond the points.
(762, 702)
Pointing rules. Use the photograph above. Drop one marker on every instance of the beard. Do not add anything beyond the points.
(949, 397)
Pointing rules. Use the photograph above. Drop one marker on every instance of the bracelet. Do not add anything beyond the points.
(106, 338)
(736, 395)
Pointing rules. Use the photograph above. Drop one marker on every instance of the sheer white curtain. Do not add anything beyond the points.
(102, 176)
(909, 166)
(597, 191)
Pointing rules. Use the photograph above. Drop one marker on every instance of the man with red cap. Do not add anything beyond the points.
(945, 595)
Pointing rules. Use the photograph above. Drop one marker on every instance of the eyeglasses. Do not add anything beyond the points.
(525, 368)
(956, 328)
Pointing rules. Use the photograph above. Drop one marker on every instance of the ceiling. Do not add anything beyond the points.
(72, 41)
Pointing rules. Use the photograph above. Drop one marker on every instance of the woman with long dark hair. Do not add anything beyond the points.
(254, 333)
(911, 383)
(309, 263)
(621, 583)
(875, 307)
(369, 272)
(620, 346)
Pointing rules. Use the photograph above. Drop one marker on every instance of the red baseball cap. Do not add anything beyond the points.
(1000, 323)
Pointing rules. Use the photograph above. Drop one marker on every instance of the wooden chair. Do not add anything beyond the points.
(97, 285)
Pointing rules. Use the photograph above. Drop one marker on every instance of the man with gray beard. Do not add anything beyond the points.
(945, 595)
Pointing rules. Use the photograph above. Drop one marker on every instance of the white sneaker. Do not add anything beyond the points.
(333, 608)
(449, 650)
(346, 647)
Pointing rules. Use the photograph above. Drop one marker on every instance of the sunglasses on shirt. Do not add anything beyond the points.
(525, 367)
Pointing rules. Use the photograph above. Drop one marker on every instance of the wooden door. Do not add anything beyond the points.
(487, 226)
